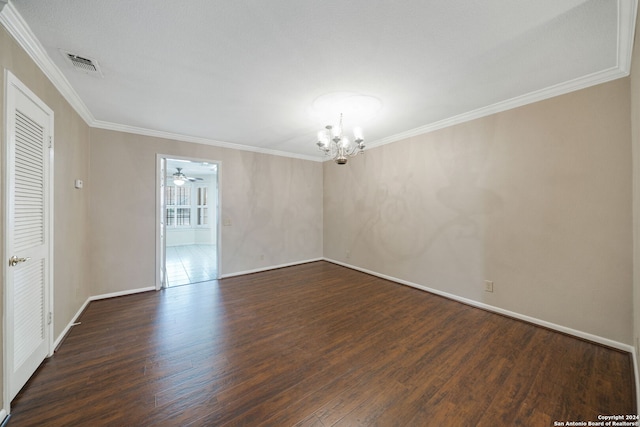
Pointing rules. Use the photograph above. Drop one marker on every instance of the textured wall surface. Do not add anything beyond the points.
(536, 199)
(274, 206)
(635, 137)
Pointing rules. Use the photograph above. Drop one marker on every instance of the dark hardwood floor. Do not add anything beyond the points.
(316, 345)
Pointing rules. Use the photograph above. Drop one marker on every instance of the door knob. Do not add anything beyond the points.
(14, 260)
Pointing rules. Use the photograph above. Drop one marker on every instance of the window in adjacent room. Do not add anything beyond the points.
(201, 206)
(179, 206)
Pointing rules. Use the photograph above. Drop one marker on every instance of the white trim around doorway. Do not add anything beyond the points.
(160, 212)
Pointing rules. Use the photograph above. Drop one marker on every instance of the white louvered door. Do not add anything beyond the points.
(29, 137)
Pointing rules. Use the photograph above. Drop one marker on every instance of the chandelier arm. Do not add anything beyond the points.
(334, 150)
(352, 150)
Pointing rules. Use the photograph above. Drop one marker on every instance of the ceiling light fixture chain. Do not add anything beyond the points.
(334, 144)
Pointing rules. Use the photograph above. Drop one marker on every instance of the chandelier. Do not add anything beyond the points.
(334, 144)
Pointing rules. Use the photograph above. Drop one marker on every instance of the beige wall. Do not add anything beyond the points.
(274, 205)
(536, 199)
(635, 138)
(71, 206)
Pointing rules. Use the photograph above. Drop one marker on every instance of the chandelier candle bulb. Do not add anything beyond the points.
(337, 131)
(357, 134)
(323, 138)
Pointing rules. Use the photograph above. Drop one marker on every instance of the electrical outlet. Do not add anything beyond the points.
(488, 286)
(348, 255)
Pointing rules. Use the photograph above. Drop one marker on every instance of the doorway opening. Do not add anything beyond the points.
(188, 213)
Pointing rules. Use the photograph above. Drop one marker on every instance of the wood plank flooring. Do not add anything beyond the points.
(316, 345)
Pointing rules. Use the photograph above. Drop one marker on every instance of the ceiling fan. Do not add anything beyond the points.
(179, 178)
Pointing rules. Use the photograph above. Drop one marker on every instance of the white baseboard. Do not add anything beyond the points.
(152, 288)
(121, 293)
(3, 416)
(69, 325)
(273, 267)
(536, 321)
(84, 306)
(580, 334)
(544, 323)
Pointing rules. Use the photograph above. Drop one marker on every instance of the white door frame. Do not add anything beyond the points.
(160, 210)
(13, 84)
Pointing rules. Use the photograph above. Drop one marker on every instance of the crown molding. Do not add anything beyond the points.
(627, 10)
(17, 27)
(20, 31)
(550, 92)
(99, 124)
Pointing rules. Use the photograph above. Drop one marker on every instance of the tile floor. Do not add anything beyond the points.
(191, 264)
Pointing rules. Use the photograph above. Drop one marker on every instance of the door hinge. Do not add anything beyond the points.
(50, 142)
(49, 318)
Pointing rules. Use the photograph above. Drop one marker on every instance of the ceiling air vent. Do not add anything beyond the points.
(83, 64)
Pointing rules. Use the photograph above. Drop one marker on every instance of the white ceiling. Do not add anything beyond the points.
(247, 72)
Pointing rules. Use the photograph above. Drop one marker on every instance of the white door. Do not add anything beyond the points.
(29, 135)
